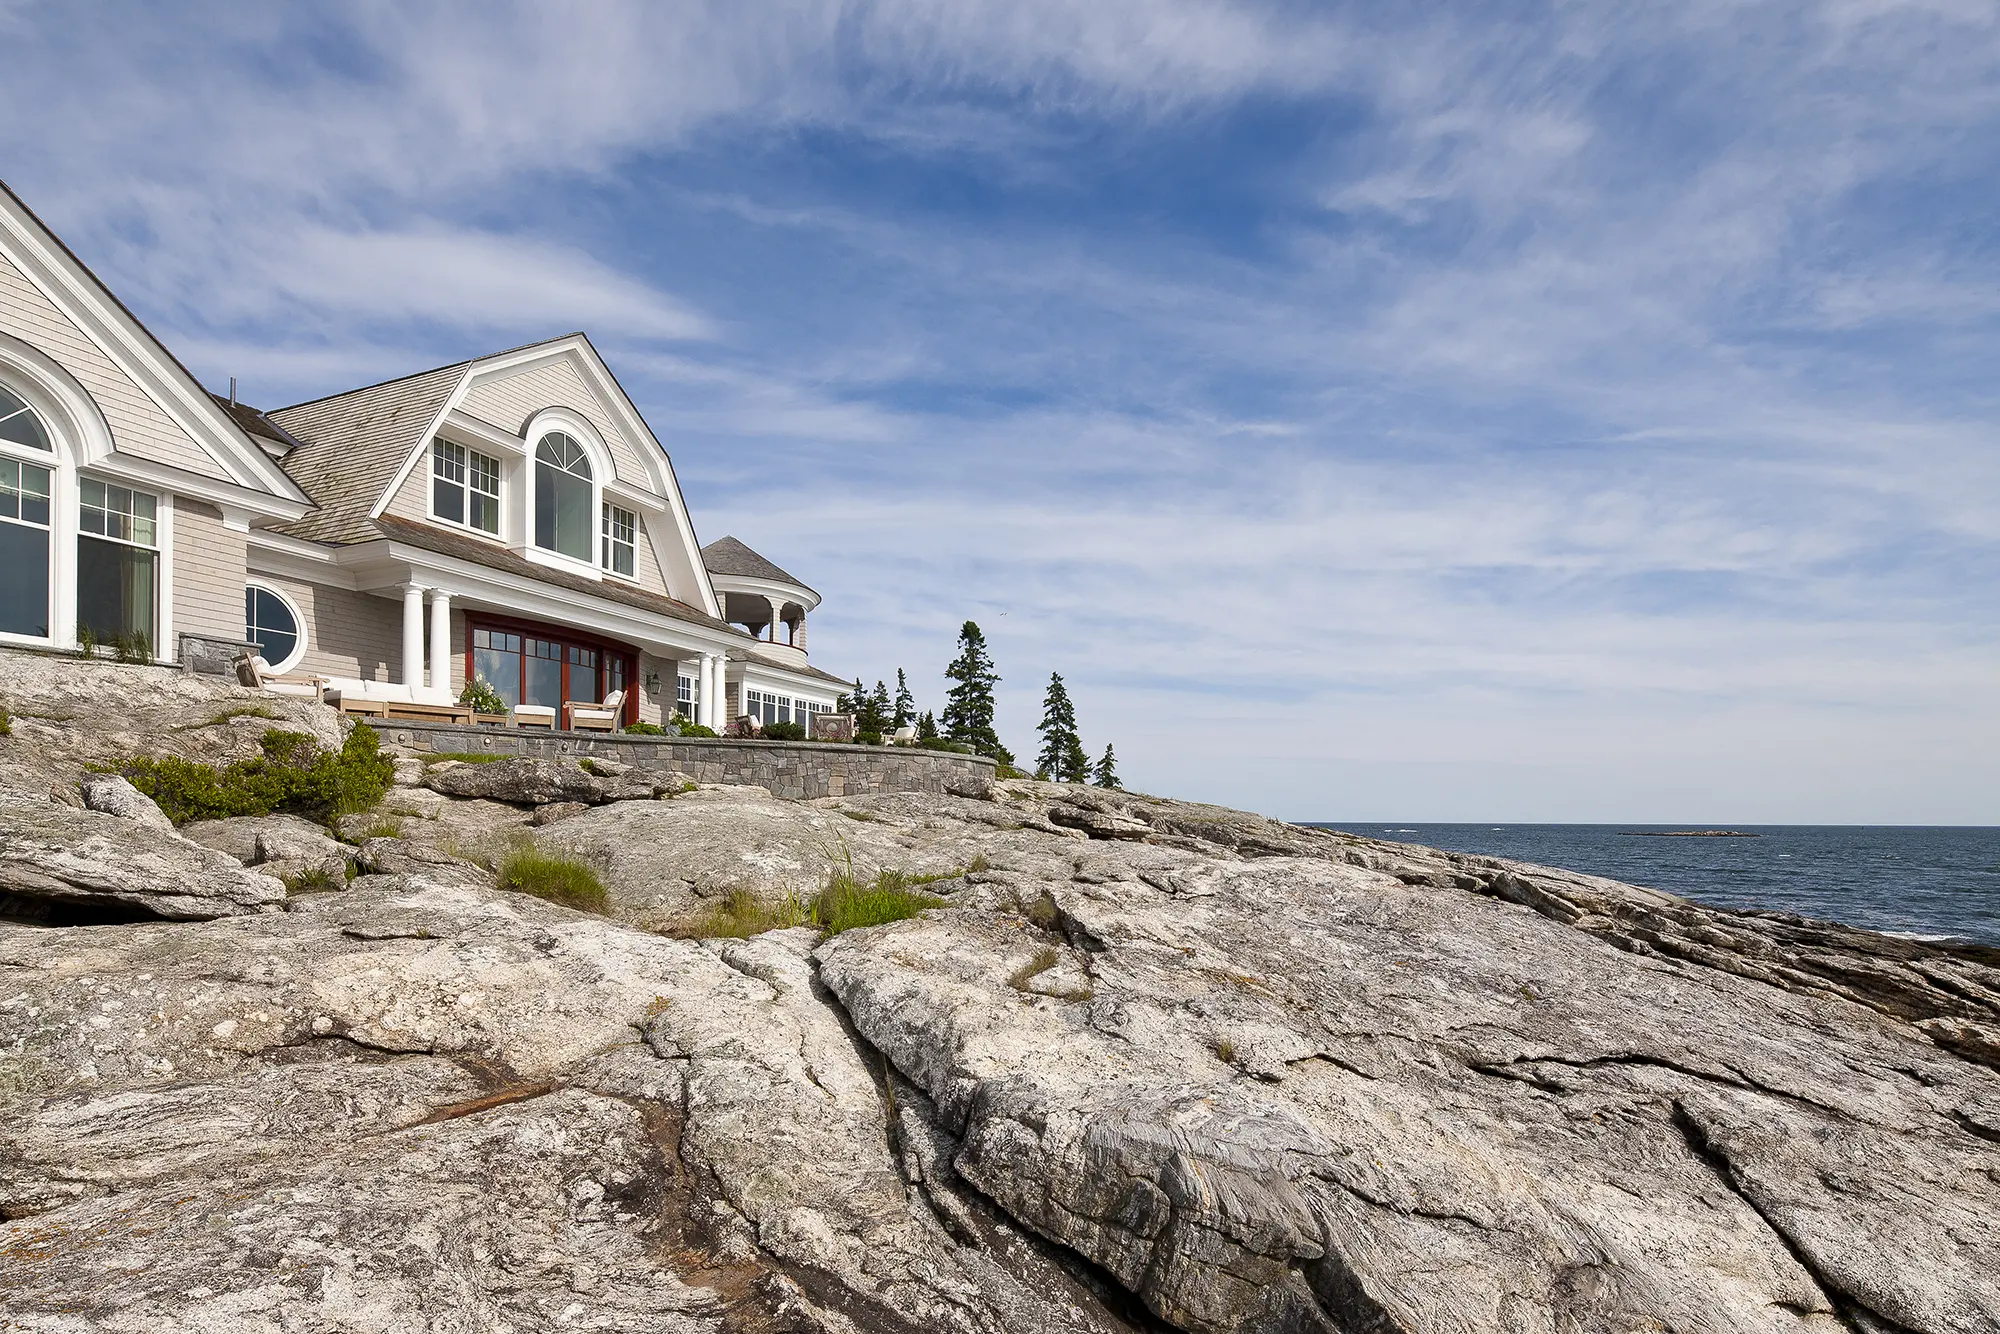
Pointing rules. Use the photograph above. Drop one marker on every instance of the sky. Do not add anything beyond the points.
(1429, 411)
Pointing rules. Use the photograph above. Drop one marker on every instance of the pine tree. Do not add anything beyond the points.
(968, 710)
(1075, 763)
(927, 727)
(1058, 729)
(906, 703)
(878, 708)
(1107, 769)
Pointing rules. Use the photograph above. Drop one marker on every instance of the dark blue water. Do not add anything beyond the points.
(1911, 880)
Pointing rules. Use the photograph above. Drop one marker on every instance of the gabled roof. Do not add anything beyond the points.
(352, 445)
(141, 358)
(726, 555)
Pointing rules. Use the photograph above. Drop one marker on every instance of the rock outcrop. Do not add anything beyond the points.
(1153, 1065)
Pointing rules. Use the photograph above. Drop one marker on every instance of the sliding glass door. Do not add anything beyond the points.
(547, 667)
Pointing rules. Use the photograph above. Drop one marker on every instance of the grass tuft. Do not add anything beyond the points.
(561, 880)
(1225, 1051)
(6, 723)
(847, 903)
(240, 711)
(462, 756)
(315, 880)
(742, 914)
(1045, 959)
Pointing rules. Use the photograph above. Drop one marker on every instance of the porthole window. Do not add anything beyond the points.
(274, 625)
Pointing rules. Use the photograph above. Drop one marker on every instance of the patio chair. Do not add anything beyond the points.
(903, 736)
(533, 715)
(252, 670)
(579, 716)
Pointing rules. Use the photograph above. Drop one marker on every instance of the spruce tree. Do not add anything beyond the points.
(968, 710)
(1107, 769)
(853, 703)
(1075, 763)
(878, 708)
(906, 703)
(1058, 729)
(927, 727)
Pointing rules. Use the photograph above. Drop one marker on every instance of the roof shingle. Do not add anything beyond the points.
(726, 555)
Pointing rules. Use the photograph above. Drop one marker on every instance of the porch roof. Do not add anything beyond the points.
(493, 557)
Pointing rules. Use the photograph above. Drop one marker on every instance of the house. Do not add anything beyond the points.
(510, 516)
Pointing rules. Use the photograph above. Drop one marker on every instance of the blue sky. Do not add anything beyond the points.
(1435, 411)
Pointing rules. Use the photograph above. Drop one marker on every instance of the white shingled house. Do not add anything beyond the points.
(511, 516)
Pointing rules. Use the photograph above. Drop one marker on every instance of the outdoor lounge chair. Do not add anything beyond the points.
(252, 670)
(904, 736)
(534, 715)
(582, 717)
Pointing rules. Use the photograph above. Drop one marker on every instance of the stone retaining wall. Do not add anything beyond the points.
(793, 769)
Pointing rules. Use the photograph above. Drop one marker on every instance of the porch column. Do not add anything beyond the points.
(704, 707)
(777, 616)
(413, 634)
(441, 640)
(799, 632)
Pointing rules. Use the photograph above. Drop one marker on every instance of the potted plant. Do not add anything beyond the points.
(488, 709)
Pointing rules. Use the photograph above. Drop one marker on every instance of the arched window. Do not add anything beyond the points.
(565, 517)
(24, 519)
(274, 625)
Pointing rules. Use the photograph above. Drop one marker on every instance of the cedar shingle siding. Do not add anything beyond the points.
(208, 573)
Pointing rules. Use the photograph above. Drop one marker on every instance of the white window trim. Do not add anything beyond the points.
(62, 528)
(494, 534)
(298, 617)
(574, 425)
(613, 502)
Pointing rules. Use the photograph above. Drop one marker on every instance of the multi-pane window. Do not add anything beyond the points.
(19, 425)
(465, 486)
(530, 669)
(766, 707)
(562, 496)
(270, 624)
(24, 541)
(117, 564)
(687, 693)
(621, 536)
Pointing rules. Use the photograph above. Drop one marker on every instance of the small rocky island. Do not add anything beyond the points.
(1147, 1065)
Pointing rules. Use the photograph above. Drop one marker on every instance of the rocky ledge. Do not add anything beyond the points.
(1151, 1065)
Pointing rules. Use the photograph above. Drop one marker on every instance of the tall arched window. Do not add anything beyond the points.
(565, 517)
(24, 519)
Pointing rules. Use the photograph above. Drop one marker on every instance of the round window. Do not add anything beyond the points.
(273, 625)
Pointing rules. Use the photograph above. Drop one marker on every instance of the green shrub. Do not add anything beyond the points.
(1002, 769)
(561, 880)
(940, 743)
(847, 903)
(696, 729)
(293, 774)
(645, 729)
(784, 732)
(867, 738)
(480, 696)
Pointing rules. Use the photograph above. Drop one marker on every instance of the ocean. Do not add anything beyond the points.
(1922, 882)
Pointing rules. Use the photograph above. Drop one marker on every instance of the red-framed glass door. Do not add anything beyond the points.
(531, 663)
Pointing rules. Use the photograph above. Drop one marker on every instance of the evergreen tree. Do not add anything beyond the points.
(927, 727)
(1058, 729)
(1075, 764)
(906, 703)
(852, 703)
(968, 709)
(878, 708)
(1107, 769)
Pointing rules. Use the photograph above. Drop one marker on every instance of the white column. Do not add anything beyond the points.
(413, 634)
(704, 707)
(441, 641)
(799, 632)
(777, 617)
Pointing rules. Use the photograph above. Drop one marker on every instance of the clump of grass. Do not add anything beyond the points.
(240, 711)
(314, 880)
(865, 817)
(846, 903)
(1045, 959)
(1042, 911)
(978, 864)
(383, 826)
(462, 756)
(292, 774)
(742, 914)
(6, 723)
(1225, 1051)
(560, 880)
